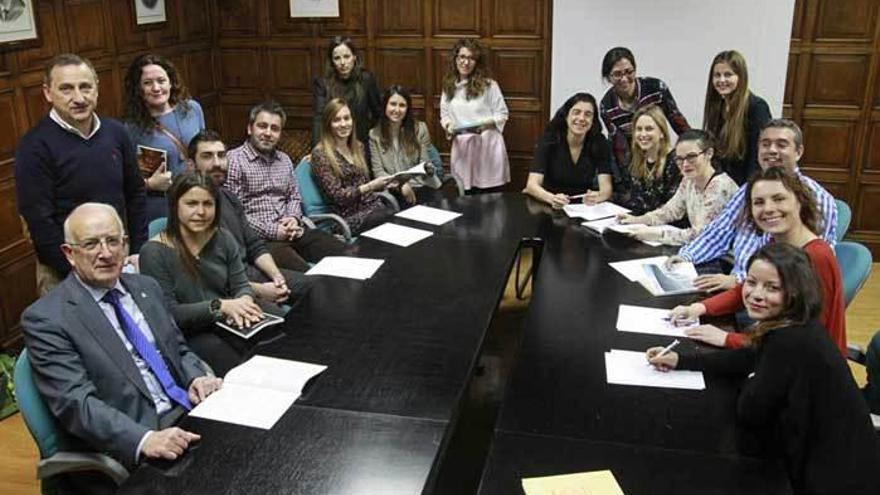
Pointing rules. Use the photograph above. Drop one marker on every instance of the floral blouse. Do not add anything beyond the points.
(342, 191)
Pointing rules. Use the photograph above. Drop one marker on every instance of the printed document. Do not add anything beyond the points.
(426, 214)
(397, 234)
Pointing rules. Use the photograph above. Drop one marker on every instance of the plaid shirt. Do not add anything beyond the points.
(714, 240)
(266, 187)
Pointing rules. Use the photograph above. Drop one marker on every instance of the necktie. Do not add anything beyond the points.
(146, 350)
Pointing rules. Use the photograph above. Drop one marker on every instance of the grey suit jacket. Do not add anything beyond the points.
(84, 372)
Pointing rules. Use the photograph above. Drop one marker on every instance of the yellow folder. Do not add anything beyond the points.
(589, 483)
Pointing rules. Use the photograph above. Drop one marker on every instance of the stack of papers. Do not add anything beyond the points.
(258, 392)
(652, 275)
(346, 267)
(610, 223)
(654, 321)
(632, 368)
(592, 483)
(397, 234)
(426, 214)
(593, 212)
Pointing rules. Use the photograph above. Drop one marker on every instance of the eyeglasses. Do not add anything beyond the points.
(111, 242)
(465, 58)
(690, 157)
(620, 74)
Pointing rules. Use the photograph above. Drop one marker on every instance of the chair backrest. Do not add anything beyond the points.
(312, 197)
(156, 226)
(844, 217)
(436, 160)
(36, 415)
(855, 266)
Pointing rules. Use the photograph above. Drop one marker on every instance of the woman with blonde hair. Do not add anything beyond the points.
(734, 115)
(340, 170)
(652, 177)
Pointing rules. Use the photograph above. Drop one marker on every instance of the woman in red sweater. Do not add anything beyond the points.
(779, 204)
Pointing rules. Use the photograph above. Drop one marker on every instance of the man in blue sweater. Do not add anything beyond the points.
(72, 157)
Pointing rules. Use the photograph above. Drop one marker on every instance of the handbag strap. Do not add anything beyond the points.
(174, 139)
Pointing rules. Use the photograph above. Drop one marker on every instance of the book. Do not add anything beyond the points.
(149, 159)
(248, 332)
(586, 483)
(415, 171)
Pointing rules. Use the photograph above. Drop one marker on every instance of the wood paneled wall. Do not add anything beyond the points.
(105, 31)
(264, 53)
(833, 92)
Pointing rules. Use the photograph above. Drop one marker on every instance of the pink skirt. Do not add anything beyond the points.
(480, 160)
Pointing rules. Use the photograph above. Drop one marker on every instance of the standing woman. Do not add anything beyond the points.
(651, 178)
(473, 113)
(627, 94)
(159, 114)
(346, 78)
(400, 142)
(341, 171)
(572, 155)
(734, 115)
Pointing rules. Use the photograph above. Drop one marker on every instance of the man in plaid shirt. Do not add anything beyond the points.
(781, 144)
(261, 176)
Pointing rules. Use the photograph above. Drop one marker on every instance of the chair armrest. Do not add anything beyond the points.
(389, 199)
(333, 217)
(65, 462)
(308, 222)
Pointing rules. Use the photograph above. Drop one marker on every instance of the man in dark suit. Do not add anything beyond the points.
(107, 358)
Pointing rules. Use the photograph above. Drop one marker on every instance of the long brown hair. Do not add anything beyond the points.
(728, 120)
(172, 235)
(638, 165)
(326, 140)
(407, 136)
(479, 79)
(350, 88)
(136, 110)
(809, 214)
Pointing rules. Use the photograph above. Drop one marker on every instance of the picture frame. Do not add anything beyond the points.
(314, 8)
(18, 23)
(149, 11)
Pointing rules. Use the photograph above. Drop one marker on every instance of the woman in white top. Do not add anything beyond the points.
(701, 195)
(473, 113)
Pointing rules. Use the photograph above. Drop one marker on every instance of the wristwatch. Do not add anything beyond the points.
(215, 310)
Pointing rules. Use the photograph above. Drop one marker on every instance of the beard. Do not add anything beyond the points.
(262, 147)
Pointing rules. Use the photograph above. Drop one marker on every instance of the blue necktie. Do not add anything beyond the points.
(146, 350)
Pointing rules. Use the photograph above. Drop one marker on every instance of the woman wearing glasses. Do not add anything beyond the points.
(734, 114)
(473, 114)
(701, 195)
(629, 93)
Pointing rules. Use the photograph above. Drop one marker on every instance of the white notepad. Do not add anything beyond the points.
(632, 368)
(346, 267)
(258, 392)
(654, 321)
(397, 234)
(426, 214)
(593, 212)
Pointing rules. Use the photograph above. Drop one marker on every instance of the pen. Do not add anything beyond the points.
(576, 196)
(665, 350)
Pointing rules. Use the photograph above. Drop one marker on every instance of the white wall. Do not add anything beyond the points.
(674, 40)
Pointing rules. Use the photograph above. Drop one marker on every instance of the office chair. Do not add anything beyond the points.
(55, 455)
(855, 261)
(844, 217)
(437, 161)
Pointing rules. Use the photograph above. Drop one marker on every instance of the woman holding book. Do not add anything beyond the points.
(700, 196)
(473, 114)
(401, 142)
(573, 158)
(341, 171)
(780, 204)
(199, 269)
(161, 118)
(798, 401)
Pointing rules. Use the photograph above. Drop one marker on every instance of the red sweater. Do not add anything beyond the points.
(833, 316)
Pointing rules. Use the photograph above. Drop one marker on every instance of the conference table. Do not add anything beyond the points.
(402, 348)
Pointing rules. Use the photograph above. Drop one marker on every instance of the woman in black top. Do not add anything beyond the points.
(801, 402)
(572, 156)
(344, 77)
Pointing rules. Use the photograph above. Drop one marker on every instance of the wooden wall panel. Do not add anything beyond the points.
(517, 18)
(846, 19)
(829, 143)
(837, 80)
(403, 67)
(399, 18)
(456, 17)
(291, 69)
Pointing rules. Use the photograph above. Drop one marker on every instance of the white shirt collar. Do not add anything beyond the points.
(69, 128)
(97, 293)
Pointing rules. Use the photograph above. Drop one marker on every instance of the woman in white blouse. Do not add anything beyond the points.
(701, 195)
(473, 113)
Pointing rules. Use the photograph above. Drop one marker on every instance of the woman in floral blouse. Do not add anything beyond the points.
(701, 195)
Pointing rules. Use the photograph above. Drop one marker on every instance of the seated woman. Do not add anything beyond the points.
(341, 171)
(778, 203)
(651, 177)
(572, 155)
(701, 195)
(734, 115)
(800, 402)
(400, 142)
(199, 269)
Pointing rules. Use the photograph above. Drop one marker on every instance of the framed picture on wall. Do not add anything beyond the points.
(17, 22)
(149, 11)
(314, 8)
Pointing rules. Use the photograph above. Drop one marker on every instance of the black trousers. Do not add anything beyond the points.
(313, 245)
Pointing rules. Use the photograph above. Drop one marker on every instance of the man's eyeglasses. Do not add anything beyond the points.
(620, 74)
(690, 157)
(111, 242)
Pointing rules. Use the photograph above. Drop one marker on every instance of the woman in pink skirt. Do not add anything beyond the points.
(473, 113)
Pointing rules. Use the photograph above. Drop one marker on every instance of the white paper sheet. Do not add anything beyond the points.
(661, 282)
(414, 170)
(632, 269)
(593, 212)
(610, 223)
(654, 321)
(397, 234)
(632, 368)
(346, 267)
(281, 375)
(426, 214)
